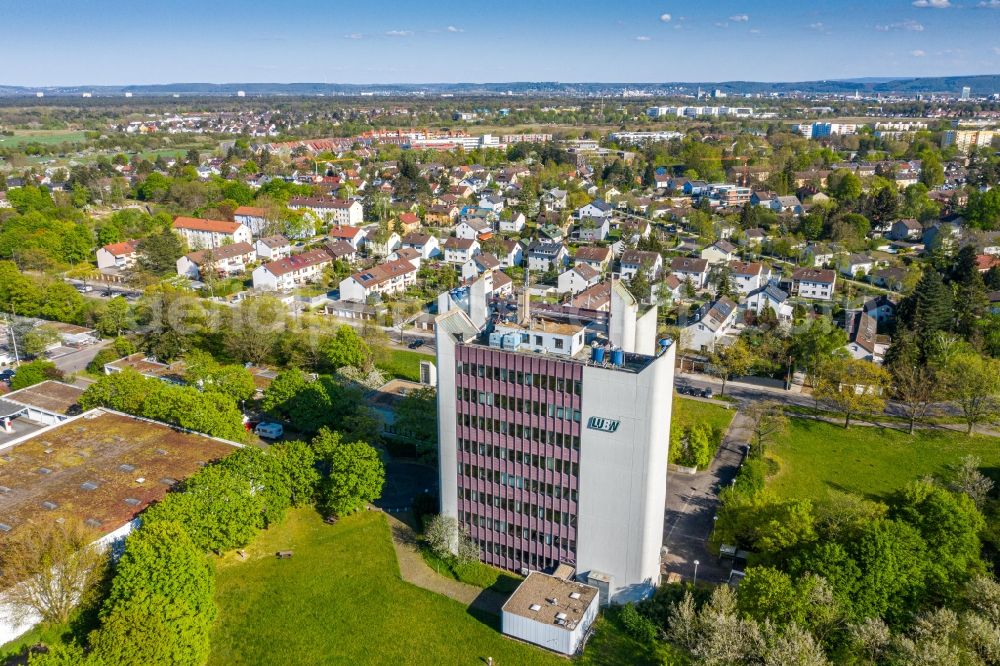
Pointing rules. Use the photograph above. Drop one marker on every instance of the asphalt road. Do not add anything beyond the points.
(78, 360)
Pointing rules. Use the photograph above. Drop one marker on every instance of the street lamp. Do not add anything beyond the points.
(715, 521)
(696, 563)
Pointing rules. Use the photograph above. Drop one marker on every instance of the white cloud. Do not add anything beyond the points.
(452, 28)
(996, 50)
(739, 18)
(754, 31)
(354, 35)
(721, 24)
(909, 25)
(665, 18)
(643, 38)
(989, 4)
(932, 4)
(398, 33)
(918, 53)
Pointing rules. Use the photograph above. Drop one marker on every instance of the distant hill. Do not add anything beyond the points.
(980, 84)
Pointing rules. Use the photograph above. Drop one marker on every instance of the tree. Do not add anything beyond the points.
(767, 421)
(345, 347)
(40, 338)
(253, 329)
(35, 372)
(973, 382)
(967, 479)
(736, 359)
(449, 540)
(158, 253)
(267, 475)
(891, 556)
(916, 388)
(219, 509)
(355, 477)
(278, 397)
(766, 593)
(416, 417)
(160, 608)
(816, 342)
(116, 317)
(932, 306)
(853, 387)
(845, 185)
(48, 568)
(298, 460)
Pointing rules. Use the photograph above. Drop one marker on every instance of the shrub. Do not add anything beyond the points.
(637, 625)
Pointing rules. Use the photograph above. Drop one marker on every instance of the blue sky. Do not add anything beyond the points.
(70, 42)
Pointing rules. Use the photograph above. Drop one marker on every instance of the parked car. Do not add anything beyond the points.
(7, 375)
(269, 430)
(415, 342)
(706, 393)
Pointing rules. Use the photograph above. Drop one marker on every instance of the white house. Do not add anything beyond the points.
(688, 268)
(905, 229)
(711, 325)
(427, 245)
(594, 256)
(719, 252)
(787, 204)
(815, 283)
(353, 235)
(292, 271)
(226, 260)
(200, 234)
(748, 275)
(118, 255)
(853, 264)
(555, 199)
(769, 297)
(383, 248)
(864, 342)
(273, 247)
(512, 254)
(578, 278)
(389, 278)
(473, 228)
(596, 208)
(593, 228)
(460, 250)
(514, 225)
(546, 256)
(333, 211)
(633, 261)
(409, 254)
(251, 217)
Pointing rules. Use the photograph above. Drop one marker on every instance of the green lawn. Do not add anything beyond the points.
(688, 412)
(404, 364)
(474, 573)
(45, 137)
(340, 600)
(816, 457)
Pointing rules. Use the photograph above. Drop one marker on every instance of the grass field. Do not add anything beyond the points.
(404, 364)
(690, 412)
(46, 137)
(474, 573)
(816, 457)
(340, 600)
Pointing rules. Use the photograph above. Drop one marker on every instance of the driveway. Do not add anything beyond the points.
(692, 502)
(76, 361)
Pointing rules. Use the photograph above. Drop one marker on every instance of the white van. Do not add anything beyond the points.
(269, 430)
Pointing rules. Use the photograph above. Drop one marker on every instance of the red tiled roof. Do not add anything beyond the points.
(125, 247)
(344, 231)
(249, 210)
(214, 226)
(297, 261)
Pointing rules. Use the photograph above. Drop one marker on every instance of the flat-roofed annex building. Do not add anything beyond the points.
(551, 612)
(101, 468)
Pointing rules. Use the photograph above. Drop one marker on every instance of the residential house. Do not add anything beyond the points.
(409, 254)
(596, 208)
(551, 233)
(711, 324)
(633, 261)
(597, 297)
(769, 297)
(786, 204)
(815, 283)
(273, 247)
(512, 253)
(554, 199)
(513, 224)
(593, 229)
(892, 278)
(225, 261)
(881, 308)
(688, 268)
(291, 272)
(984, 262)
(409, 222)
(492, 202)
(753, 238)
(669, 289)
(121, 256)
(817, 255)
(943, 234)
(460, 250)
(546, 256)
(473, 228)
(864, 342)
(200, 234)
(340, 250)
(904, 230)
(854, 264)
(385, 279)
(353, 235)
(441, 214)
(332, 211)
(748, 275)
(577, 279)
(252, 218)
(382, 244)
(719, 252)
(427, 245)
(594, 256)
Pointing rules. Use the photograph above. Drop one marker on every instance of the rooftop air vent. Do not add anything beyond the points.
(128, 469)
(92, 522)
(131, 501)
(4, 527)
(89, 485)
(535, 607)
(44, 470)
(167, 481)
(49, 505)
(574, 595)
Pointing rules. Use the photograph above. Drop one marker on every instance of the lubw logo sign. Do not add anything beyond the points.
(602, 424)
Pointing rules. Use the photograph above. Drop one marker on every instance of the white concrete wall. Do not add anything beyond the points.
(447, 436)
(623, 476)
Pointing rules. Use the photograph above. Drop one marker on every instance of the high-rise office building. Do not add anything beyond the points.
(966, 92)
(554, 432)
